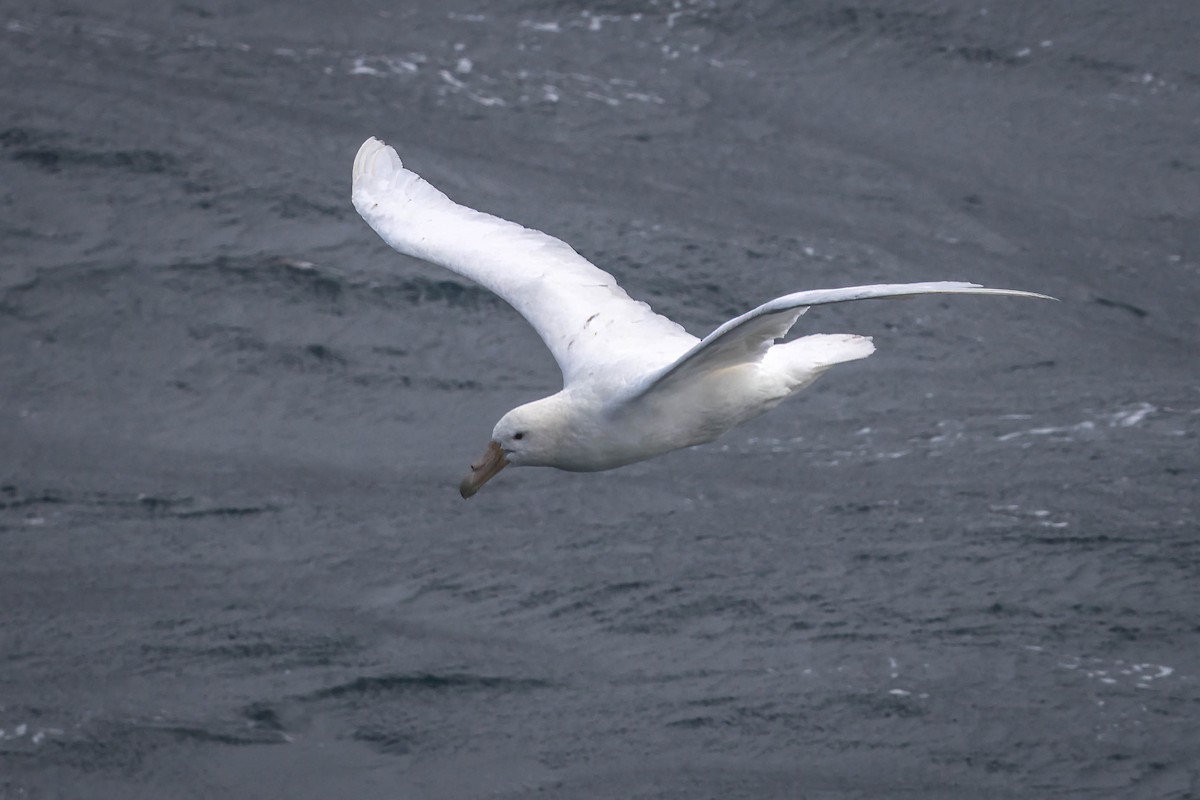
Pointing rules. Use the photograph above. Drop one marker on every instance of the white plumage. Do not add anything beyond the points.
(635, 384)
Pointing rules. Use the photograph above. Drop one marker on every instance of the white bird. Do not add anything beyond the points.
(635, 384)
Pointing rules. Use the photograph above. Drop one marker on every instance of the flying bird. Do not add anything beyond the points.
(635, 384)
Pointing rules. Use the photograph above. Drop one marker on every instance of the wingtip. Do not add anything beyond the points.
(368, 161)
(955, 287)
(1021, 293)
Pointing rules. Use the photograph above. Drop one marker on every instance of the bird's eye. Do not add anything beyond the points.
(519, 436)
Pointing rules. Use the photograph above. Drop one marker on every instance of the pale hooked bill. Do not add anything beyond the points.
(635, 384)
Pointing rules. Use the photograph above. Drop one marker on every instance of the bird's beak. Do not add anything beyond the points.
(484, 470)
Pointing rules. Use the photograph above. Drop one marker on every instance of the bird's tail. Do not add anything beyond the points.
(804, 359)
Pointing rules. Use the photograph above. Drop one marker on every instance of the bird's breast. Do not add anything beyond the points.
(690, 414)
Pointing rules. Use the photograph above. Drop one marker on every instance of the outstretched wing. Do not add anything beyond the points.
(582, 315)
(748, 337)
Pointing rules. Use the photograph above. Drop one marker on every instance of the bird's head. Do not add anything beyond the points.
(530, 435)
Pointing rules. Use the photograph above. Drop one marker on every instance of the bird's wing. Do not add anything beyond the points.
(580, 312)
(748, 337)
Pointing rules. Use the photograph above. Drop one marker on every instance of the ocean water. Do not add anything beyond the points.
(233, 559)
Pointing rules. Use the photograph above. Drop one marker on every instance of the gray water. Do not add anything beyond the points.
(233, 560)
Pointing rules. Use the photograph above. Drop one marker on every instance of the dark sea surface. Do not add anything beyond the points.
(233, 559)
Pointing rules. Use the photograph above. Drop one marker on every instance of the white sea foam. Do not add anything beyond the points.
(1131, 417)
(360, 67)
(612, 101)
(542, 27)
(35, 735)
(1052, 430)
(460, 75)
(596, 21)
(384, 66)
(461, 87)
(507, 86)
(1042, 517)
(1141, 675)
(644, 97)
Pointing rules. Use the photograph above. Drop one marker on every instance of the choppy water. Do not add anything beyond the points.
(234, 562)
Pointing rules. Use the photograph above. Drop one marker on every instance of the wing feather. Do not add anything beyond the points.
(583, 316)
(748, 337)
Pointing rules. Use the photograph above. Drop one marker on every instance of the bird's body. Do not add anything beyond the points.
(635, 384)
